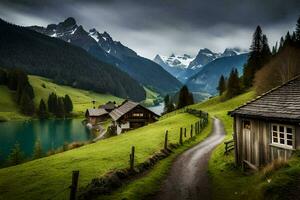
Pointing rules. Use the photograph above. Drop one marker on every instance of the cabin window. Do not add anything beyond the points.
(247, 124)
(283, 135)
(138, 114)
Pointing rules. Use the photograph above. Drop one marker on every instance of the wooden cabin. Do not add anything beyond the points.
(94, 116)
(268, 127)
(130, 115)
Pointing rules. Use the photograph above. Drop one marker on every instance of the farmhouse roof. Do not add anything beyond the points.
(281, 103)
(124, 108)
(96, 112)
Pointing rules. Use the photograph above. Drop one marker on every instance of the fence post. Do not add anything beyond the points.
(73, 187)
(185, 132)
(166, 140)
(199, 126)
(180, 137)
(132, 158)
(191, 130)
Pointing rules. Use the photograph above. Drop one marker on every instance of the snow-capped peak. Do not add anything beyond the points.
(94, 34)
(179, 61)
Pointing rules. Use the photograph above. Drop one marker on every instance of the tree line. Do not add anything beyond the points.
(265, 68)
(17, 80)
(58, 106)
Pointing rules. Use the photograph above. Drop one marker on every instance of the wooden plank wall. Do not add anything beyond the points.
(260, 139)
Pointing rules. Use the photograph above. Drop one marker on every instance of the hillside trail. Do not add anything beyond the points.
(188, 178)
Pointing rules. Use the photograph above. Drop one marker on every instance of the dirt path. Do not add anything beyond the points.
(188, 178)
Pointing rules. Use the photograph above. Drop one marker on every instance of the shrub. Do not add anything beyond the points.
(272, 167)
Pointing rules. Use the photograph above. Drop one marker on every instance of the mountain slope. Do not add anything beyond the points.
(206, 80)
(104, 48)
(176, 65)
(64, 63)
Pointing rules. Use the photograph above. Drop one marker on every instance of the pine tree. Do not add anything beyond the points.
(288, 39)
(185, 98)
(52, 103)
(42, 112)
(297, 32)
(3, 77)
(26, 104)
(60, 111)
(169, 106)
(233, 87)
(281, 43)
(275, 49)
(254, 62)
(222, 85)
(37, 153)
(68, 104)
(265, 51)
(16, 156)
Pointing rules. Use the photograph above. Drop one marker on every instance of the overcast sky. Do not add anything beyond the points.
(153, 27)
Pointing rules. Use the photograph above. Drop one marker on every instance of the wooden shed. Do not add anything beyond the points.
(268, 127)
(130, 115)
(95, 116)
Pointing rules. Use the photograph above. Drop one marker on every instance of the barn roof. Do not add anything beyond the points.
(96, 112)
(124, 108)
(281, 103)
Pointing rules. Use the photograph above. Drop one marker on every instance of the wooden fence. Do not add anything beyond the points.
(229, 145)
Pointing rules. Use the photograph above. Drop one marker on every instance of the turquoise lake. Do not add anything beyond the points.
(52, 134)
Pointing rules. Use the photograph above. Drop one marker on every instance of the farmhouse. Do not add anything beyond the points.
(95, 116)
(130, 115)
(268, 127)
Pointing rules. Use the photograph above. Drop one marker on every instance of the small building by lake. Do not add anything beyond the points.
(130, 115)
(268, 127)
(94, 115)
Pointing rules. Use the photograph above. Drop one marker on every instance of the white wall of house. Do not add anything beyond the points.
(121, 127)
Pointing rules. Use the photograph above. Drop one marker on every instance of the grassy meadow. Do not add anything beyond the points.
(46, 176)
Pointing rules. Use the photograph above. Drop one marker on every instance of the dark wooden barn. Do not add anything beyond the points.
(130, 115)
(268, 127)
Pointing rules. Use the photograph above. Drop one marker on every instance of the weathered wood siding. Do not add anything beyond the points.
(259, 148)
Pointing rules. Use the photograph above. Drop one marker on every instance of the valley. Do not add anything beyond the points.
(117, 100)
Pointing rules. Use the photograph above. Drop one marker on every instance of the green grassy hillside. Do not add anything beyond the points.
(82, 99)
(46, 176)
(151, 97)
(8, 108)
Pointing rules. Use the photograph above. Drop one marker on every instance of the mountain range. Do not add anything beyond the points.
(104, 48)
(207, 78)
(185, 66)
(63, 62)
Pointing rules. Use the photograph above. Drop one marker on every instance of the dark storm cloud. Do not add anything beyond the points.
(180, 25)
